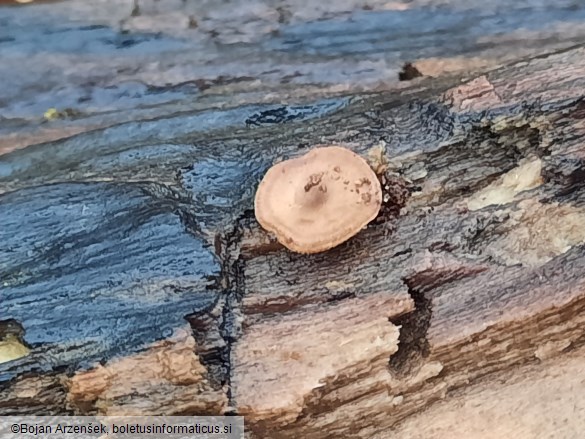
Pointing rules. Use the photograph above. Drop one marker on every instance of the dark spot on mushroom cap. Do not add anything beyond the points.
(314, 180)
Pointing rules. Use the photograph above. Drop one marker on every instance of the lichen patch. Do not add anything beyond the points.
(538, 232)
(503, 191)
(12, 349)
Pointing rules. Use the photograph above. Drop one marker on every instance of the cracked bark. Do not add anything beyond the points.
(494, 250)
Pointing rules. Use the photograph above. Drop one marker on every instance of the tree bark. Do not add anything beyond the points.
(133, 269)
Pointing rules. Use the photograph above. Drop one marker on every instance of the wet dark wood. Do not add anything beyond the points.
(132, 267)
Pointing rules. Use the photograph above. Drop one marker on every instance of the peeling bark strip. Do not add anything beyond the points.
(113, 239)
(346, 339)
(167, 379)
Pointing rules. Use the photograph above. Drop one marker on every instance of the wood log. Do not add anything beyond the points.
(135, 279)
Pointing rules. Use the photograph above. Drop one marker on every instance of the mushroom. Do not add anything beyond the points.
(319, 200)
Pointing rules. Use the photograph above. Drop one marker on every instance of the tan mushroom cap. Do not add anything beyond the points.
(319, 200)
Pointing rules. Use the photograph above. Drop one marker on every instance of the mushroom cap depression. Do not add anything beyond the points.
(319, 200)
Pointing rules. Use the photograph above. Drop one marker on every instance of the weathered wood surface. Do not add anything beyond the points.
(132, 267)
(542, 399)
(110, 62)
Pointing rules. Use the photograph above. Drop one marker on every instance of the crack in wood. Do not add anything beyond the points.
(413, 345)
